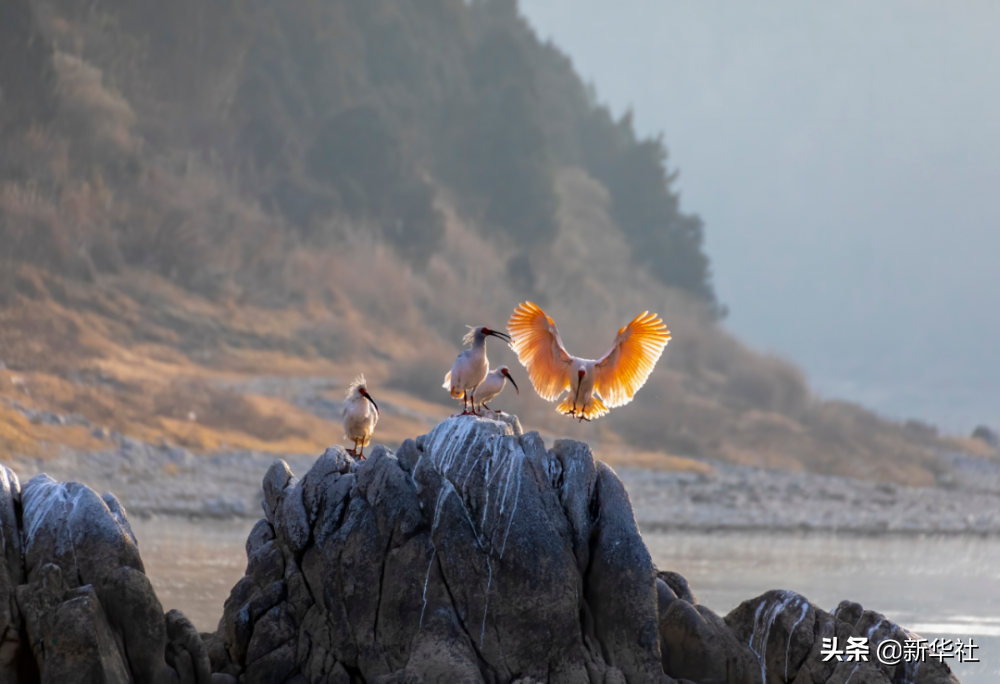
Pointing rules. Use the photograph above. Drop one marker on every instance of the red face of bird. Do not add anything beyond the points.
(506, 374)
(364, 392)
(484, 331)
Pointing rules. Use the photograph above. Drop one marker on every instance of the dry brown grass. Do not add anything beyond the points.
(158, 348)
(133, 281)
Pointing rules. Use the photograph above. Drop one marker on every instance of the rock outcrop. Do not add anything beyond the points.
(475, 554)
(75, 603)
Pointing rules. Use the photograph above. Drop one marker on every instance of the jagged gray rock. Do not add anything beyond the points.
(477, 555)
(69, 633)
(877, 628)
(74, 587)
(473, 555)
(695, 643)
(11, 572)
(785, 632)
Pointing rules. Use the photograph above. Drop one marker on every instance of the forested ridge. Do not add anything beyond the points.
(328, 111)
(197, 197)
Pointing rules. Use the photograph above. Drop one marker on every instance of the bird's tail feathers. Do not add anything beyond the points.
(455, 392)
(595, 409)
(566, 407)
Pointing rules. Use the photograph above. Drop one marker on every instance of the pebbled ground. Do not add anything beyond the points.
(153, 480)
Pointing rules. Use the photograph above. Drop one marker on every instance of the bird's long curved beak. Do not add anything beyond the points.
(512, 382)
(503, 336)
(369, 398)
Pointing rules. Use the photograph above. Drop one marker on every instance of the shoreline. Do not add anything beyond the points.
(858, 532)
(154, 481)
(744, 498)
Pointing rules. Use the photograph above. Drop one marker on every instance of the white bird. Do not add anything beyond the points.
(471, 367)
(359, 417)
(594, 387)
(493, 385)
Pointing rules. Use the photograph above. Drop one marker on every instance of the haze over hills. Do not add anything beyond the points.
(844, 157)
(201, 203)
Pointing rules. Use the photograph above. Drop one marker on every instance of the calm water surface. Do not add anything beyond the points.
(193, 564)
(937, 586)
(945, 587)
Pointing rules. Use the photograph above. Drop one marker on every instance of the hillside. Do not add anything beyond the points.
(215, 215)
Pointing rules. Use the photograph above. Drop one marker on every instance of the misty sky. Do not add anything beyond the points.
(845, 157)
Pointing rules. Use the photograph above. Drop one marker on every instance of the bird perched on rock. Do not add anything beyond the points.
(471, 367)
(493, 385)
(594, 387)
(359, 417)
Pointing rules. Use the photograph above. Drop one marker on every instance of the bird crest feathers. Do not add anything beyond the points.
(470, 336)
(358, 382)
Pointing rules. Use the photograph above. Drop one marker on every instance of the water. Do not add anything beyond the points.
(193, 564)
(945, 587)
(936, 586)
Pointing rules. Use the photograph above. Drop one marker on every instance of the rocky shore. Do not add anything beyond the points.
(154, 480)
(474, 554)
(966, 500)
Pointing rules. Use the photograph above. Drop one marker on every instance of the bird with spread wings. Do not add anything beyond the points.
(595, 387)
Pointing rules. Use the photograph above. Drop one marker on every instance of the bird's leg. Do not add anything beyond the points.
(472, 398)
(361, 455)
(488, 406)
(576, 395)
(465, 406)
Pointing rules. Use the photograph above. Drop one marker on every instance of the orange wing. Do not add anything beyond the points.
(539, 349)
(627, 365)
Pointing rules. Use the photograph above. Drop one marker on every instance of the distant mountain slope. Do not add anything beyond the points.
(135, 353)
(342, 111)
(194, 195)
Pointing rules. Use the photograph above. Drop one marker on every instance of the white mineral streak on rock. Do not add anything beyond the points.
(426, 580)
(848, 680)
(47, 495)
(517, 493)
(494, 453)
(478, 453)
(486, 607)
(788, 647)
(445, 491)
(49, 503)
(486, 506)
(762, 622)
